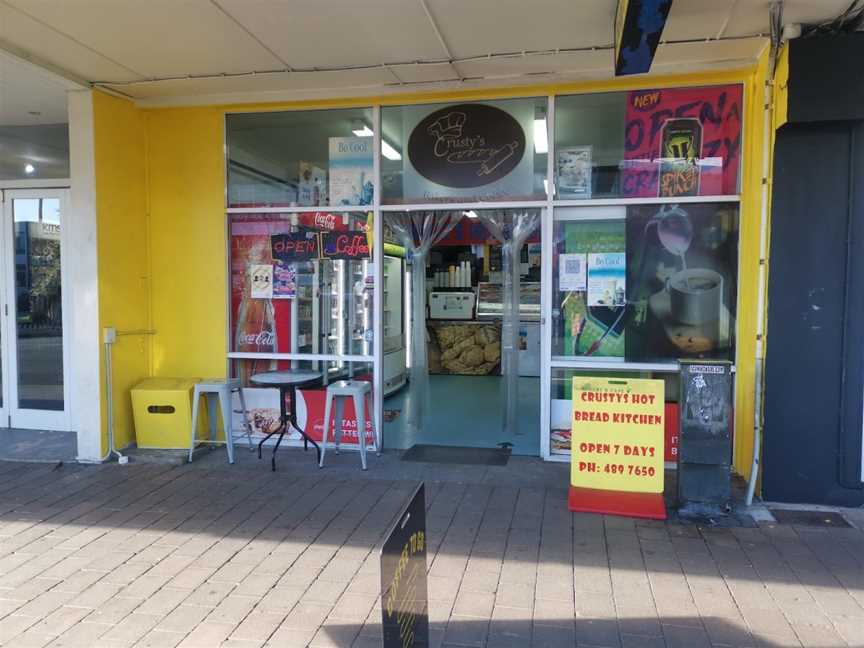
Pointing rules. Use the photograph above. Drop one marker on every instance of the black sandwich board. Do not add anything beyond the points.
(404, 595)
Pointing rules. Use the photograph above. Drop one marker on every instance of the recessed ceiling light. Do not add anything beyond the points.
(389, 152)
(541, 142)
(29, 168)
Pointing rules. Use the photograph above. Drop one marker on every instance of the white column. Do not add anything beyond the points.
(81, 265)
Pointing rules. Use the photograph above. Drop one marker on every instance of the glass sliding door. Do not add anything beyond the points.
(35, 387)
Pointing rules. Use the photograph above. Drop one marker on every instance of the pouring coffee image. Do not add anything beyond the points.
(682, 281)
(695, 295)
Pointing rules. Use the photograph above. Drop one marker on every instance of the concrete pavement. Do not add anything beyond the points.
(209, 554)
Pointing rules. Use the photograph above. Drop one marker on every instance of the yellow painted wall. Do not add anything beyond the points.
(187, 235)
(120, 154)
(748, 277)
(781, 88)
(758, 173)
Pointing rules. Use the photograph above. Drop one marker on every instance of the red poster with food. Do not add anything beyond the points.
(310, 417)
(682, 142)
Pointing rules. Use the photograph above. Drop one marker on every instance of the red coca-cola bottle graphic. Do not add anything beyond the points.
(256, 322)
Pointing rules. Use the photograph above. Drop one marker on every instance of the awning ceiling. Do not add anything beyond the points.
(179, 51)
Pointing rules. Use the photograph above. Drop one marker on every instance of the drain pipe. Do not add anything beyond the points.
(759, 373)
(109, 338)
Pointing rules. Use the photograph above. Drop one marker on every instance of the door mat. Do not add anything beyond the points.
(810, 518)
(457, 455)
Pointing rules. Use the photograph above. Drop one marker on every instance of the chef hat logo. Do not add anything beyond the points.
(449, 126)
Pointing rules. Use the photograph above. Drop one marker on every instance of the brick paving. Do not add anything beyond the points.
(209, 555)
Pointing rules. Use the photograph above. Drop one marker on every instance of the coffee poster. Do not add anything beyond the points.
(681, 279)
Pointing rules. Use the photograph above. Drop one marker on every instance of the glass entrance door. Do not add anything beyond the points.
(33, 353)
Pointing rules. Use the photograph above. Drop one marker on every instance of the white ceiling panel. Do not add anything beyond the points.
(700, 18)
(478, 27)
(569, 64)
(751, 16)
(425, 73)
(28, 96)
(133, 40)
(340, 83)
(156, 38)
(687, 57)
(52, 47)
(327, 33)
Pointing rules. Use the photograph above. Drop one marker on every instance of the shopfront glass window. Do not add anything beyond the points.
(301, 283)
(300, 158)
(645, 283)
(649, 143)
(561, 407)
(490, 150)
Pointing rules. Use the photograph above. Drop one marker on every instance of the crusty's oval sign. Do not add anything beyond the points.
(466, 145)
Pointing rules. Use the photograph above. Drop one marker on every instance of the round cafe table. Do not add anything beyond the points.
(287, 381)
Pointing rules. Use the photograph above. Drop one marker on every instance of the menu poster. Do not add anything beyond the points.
(351, 161)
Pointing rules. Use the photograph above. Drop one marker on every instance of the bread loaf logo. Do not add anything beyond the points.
(469, 145)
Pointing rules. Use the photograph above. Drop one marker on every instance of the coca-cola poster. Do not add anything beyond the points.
(258, 325)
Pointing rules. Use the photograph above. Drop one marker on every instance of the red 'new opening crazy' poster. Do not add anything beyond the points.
(682, 142)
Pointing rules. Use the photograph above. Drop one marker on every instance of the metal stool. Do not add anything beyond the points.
(357, 390)
(221, 389)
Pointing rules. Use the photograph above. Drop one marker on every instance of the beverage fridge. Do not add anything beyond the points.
(333, 314)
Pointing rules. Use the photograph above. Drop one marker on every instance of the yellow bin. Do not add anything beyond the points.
(162, 409)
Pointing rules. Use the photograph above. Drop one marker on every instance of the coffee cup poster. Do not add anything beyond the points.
(681, 276)
(648, 282)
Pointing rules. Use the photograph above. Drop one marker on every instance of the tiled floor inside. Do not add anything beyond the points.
(467, 411)
(209, 554)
